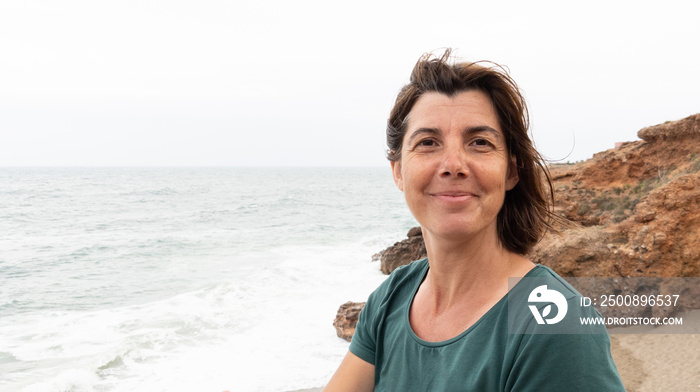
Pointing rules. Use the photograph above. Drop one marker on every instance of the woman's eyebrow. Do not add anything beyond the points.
(479, 129)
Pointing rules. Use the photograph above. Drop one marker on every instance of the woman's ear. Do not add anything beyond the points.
(512, 177)
(396, 171)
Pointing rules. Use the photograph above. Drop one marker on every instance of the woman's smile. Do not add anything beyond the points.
(453, 196)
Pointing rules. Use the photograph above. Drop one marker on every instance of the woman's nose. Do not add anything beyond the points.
(455, 163)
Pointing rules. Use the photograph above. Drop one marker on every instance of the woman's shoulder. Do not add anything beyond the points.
(409, 270)
(558, 283)
(402, 279)
(393, 295)
(544, 302)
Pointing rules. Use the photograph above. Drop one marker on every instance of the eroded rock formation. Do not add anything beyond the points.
(403, 252)
(687, 127)
(637, 207)
(346, 319)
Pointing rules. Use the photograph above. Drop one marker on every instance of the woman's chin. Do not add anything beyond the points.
(454, 231)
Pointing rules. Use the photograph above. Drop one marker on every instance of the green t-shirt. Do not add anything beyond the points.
(485, 357)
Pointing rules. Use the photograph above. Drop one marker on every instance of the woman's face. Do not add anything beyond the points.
(454, 168)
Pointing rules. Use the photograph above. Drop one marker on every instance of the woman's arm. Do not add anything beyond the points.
(353, 375)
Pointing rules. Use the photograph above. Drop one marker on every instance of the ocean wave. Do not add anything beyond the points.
(192, 279)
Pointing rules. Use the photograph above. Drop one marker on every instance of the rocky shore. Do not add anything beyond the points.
(633, 211)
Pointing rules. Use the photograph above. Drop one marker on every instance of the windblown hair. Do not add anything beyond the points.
(526, 214)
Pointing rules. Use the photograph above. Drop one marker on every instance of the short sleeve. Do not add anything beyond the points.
(363, 342)
(391, 297)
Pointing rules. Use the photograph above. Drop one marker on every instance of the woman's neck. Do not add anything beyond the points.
(477, 268)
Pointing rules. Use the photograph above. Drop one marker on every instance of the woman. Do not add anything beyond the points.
(460, 152)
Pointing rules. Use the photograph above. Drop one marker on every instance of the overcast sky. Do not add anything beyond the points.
(311, 83)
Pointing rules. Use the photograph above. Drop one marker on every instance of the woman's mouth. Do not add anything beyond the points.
(453, 197)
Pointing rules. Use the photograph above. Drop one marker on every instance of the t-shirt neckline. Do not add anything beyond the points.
(426, 343)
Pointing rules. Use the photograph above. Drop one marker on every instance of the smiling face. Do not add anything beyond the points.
(454, 168)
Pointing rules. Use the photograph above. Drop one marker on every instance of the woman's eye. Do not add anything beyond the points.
(481, 143)
(426, 143)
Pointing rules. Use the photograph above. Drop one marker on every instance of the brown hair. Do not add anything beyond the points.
(526, 213)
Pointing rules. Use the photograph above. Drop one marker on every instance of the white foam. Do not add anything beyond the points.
(269, 330)
(73, 380)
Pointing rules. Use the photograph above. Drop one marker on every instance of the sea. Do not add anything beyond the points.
(185, 279)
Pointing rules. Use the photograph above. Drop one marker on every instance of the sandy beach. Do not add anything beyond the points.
(651, 363)
(659, 361)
